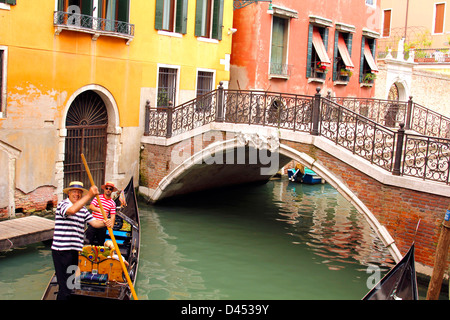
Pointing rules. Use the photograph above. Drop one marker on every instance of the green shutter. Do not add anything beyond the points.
(87, 7)
(60, 5)
(198, 19)
(181, 18)
(361, 66)
(349, 43)
(11, 2)
(217, 20)
(309, 55)
(159, 13)
(124, 11)
(335, 56)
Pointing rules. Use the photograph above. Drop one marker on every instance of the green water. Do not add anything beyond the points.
(280, 240)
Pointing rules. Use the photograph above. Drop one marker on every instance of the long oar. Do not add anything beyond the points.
(127, 276)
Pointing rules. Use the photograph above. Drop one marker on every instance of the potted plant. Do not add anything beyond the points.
(320, 67)
(369, 77)
(346, 72)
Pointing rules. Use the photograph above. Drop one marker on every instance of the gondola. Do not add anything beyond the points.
(101, 277)
(398, 284)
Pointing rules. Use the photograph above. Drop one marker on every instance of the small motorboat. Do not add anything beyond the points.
(304, 175)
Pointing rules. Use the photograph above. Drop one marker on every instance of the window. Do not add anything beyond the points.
(205, 82)
(318, 62)
(171, 15)
(368, 67)
(11, 2)
(209, 19)
(3, 60)
(115, 13)
(167, 87)
(371, 3)
(387, 23)
(439, 15)
(342, 63)
(278, 53)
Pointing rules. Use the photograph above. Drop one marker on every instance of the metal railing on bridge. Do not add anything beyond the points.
(372, 129)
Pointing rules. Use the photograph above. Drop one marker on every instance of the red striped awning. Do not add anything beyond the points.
(320, 48)
(369, 58)
(344, 53)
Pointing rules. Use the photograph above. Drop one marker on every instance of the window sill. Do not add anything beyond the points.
(278, 76)
(209, 40)
(4, 6)
(316, 80)
(170, 34)
(340, 83)
(368, 85)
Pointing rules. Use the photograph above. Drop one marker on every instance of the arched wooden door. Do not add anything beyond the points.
(86, 126)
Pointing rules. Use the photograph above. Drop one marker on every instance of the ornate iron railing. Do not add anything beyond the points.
(353, 124)
(76, 21)
(392, 113)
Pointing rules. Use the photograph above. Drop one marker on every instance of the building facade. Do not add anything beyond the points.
(77, 75)
(298, 46)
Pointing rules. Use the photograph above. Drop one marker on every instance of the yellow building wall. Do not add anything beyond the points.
(45, 70)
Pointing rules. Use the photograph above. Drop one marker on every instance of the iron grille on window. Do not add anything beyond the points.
(167, 86)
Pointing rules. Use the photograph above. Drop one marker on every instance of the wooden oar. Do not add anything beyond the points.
(125, 271)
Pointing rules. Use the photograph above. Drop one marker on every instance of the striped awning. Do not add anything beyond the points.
(344, 53)
(369, 58)
(320, 48)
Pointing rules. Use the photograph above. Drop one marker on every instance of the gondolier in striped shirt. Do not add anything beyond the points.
(96, 236)
(68, 237)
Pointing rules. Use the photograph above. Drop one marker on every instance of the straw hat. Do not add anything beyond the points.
(75, 185)
(109, 184)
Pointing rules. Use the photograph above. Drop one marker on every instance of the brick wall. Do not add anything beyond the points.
(36, 200)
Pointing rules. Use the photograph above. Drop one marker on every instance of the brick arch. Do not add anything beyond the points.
(173, 179)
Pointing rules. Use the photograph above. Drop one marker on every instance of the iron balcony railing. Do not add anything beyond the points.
(361, 128)
(82, 22)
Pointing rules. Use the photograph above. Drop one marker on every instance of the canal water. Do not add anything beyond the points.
(279, 240)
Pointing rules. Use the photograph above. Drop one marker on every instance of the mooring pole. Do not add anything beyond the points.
(434, 288)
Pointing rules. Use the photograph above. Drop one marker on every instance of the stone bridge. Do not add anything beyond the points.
(393, 177)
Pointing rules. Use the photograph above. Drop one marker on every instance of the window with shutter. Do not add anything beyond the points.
(209, 19)
(171, 15)
(387, 23)
(318, 61)
(279, 46)
(439, 18)
(3, 59)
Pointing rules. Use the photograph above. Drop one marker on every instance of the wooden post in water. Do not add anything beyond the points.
(434, 287)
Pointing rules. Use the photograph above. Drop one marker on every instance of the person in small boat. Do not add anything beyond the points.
(97, 236)
(113, 253)
(70, 218)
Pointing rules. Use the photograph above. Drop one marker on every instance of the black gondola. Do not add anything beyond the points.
(398, 284)
(127, 234)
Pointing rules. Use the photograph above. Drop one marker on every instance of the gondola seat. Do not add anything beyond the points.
(93, 260)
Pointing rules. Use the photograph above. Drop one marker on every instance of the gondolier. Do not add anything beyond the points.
(70, 219)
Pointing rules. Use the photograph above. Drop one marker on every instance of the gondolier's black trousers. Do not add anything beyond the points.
(63, 260)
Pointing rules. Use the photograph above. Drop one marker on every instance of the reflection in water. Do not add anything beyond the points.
(325, 221)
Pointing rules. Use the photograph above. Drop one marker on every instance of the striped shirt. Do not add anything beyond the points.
(108, 205)
(69, 229)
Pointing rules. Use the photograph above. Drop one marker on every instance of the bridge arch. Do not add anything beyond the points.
(173, 182)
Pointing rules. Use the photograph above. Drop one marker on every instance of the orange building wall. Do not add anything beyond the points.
(252, 41)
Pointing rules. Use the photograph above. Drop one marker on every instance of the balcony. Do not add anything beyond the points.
(92, 25)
